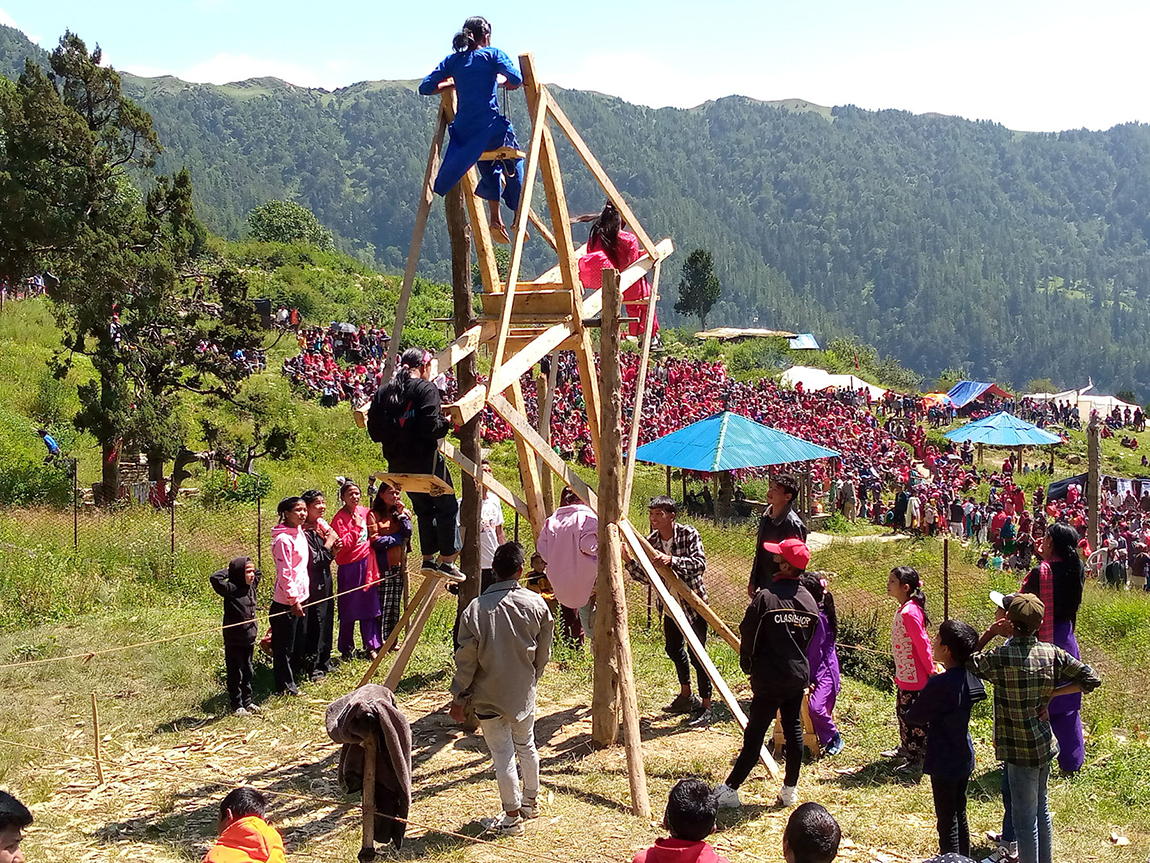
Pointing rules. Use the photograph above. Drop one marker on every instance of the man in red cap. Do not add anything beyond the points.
(775, 632)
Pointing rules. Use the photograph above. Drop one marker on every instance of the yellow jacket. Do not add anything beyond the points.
(248, 840)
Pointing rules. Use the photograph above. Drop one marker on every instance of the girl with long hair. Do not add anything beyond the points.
(913, 659)
(323, 543)
(1058, 582)
(389, 532)
(406, 417)
(609, 246)
(292, 588)
(823, 657)
(356, 576)
(475, 70)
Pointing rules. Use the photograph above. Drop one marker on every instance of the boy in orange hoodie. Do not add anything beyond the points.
(244, 835)
(690, 819)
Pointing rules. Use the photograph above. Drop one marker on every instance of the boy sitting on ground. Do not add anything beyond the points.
(812, 835)
(244, 835)
(14, 817)
(504, 644)
(690, 819)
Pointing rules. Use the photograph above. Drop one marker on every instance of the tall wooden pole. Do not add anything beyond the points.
(611, 624)
(604, 696)
(1093, 478)
(367, 844)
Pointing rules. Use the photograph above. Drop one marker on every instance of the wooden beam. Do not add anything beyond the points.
(423, 483)
(594, 302)
(597, 171)
(467, 405)
(641, 385)
(528, 467)
(522, 427)
(501, 154)
(497, 488)
(553, 275)
(677, 614)
(466, 344)
(395, 675)
(421, 214)
(542, 228)
(393, 636)
(527, 357)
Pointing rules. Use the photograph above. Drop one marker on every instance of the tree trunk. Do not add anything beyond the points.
(466, 374)
(155, 465)
(110, 473)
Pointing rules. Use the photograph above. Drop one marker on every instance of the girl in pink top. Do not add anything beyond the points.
(288, 619)
(913, 658)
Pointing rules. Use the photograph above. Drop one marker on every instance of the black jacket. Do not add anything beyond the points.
(788, 526)
(318, 567)
(239, 602)
(410, 438)
(776, 631)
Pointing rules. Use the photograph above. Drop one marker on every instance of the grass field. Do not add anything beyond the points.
(170, 751)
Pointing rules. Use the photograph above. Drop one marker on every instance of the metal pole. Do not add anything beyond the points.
(946, 578)
(173, 534)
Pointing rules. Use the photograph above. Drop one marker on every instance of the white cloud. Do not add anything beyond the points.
(6, 19)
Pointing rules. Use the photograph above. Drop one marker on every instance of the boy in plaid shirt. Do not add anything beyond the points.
(680, 547)
(1026, 674)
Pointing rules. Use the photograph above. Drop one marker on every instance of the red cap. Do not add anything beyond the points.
(793, 550)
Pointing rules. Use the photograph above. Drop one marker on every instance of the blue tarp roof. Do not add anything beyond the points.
(1003, 429)
(964, 392)
(804, 342)
(728, 441)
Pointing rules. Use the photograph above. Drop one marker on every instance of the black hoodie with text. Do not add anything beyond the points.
(776, 630)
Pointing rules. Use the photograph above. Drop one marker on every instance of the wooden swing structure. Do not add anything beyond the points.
(522, 322)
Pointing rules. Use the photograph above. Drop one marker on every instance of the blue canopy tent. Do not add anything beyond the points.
(726, 442)
(964, 392)
(1005, 430)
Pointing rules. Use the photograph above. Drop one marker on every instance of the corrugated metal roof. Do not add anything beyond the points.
(728, 441)
(804, 342)
(1003, 429)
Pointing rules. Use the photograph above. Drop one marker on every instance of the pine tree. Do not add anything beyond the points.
(699, 289)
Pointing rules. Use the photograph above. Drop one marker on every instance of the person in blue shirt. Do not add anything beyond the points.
(50, 442)
(944, 707)
(474, 69)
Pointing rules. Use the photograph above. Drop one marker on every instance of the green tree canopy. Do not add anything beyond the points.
(288, 222)
(699, 288)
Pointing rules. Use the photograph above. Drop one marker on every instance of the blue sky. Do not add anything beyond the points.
(1039, 66)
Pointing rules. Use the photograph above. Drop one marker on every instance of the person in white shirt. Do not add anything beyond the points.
(491, 534)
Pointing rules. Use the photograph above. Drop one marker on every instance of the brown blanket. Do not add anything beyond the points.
(371, 710)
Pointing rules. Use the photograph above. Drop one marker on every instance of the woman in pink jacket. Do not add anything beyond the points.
(913, 659)
(288, 619)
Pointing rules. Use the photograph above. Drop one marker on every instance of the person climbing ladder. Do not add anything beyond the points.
(474, 69)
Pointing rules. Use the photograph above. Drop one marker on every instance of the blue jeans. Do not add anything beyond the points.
(1030, 813)
(1007, 821)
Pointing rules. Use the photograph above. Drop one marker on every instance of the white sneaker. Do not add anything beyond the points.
(503, 825)
(727, 797)
(788, 795)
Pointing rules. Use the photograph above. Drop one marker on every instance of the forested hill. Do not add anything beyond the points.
(946, 243)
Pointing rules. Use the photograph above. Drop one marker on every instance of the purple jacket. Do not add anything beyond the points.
(822, 654)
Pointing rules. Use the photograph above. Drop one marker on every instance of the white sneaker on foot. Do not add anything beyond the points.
(788, 795)
(727, 797)
(503, 825)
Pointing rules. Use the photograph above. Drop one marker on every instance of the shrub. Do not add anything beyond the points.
(220, 488)
(873, 664)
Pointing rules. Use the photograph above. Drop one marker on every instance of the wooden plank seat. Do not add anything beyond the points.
(423, 483)
(500, 154)
(548, 304)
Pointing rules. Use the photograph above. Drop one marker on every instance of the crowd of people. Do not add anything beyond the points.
(22, 289)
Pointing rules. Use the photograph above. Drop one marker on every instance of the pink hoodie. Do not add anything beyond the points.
(913, 656)
(291, 554)
(569, 542)
(673, 850)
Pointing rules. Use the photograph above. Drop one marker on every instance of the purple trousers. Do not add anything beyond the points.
(822, 702)
(1066, 710)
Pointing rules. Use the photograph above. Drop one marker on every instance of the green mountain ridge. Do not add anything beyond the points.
(946, 243)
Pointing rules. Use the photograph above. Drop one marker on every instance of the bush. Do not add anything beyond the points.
(220, 488)
(52, 400)
(873, 664)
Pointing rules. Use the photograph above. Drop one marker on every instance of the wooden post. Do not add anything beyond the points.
(259, 532)
(413, 605)
(467, 371)
(641, 385)
(75, 508)
(422, 614)
(613, 613)
(604, 702)
(946, 577)
(1093, 478)
(96, 738)
(669, 483)
(367, 848)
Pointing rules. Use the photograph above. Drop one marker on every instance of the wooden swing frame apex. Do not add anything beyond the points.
(523, 322)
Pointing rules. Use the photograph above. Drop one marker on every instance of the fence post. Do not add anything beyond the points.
(75, 509)
(946, 578)
(259, 531)
(173, 535)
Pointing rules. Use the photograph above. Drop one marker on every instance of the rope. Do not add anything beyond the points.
(88, 656)
(534, 853)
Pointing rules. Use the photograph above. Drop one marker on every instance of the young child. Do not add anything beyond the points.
(538, 581)
(1026, 674)
(14, 817)
(823, 658)
(504, 644)
(474, 69)
(944, 707)
(913, 660)
(776, 632)
(690, 819)
(237, 585)
(812, 835)
(244, 835)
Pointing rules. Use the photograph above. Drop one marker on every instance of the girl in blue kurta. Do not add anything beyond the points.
(472, 68)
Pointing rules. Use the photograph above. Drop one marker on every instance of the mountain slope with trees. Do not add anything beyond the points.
(946, 243)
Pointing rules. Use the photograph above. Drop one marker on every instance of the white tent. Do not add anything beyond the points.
(1084, 399)
(820, 379)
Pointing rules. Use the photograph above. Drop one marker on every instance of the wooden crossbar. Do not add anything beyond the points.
(497, 488)
(502, 154)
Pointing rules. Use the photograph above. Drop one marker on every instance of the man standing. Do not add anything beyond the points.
(569, 543)
(504, 645)
(1026, 674)
(779, 522)
(680, 547)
